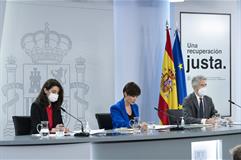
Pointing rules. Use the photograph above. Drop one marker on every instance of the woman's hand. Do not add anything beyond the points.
(143, 126)
(66, 130)
(53, 130)
(57, 128)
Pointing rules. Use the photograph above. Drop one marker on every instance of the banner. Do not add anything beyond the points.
(206, 48)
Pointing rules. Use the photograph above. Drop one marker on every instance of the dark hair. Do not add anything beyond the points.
(42, 97)
(236, 152)
(132, 89)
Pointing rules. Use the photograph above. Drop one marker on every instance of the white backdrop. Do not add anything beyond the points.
(87, 68)
(206, 51)
(233, 7)
(83, 63)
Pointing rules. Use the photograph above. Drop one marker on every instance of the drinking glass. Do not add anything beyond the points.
(86, 126)
(59, 130)
(151, 126)
(135, 124)
(218, 120)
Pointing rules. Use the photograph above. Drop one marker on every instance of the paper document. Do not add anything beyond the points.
(94, 131)
(236, 123)
(158, 126)
(124, 129)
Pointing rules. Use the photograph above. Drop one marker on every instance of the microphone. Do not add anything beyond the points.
(230, 101)
(178, 127)
(81, 134)
(234, 103)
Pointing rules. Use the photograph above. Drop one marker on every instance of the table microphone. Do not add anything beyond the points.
(178, 127)
(80, 134)
(234, 103)
(230, 101)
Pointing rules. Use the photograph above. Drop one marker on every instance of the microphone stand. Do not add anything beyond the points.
(234, 103)
(82, 133)
(178, 127)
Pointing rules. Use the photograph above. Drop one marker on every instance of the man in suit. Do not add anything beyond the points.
(198, 107)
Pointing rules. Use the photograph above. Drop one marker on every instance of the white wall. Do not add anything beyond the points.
(2, 11)
(87, 67)
(232, 7)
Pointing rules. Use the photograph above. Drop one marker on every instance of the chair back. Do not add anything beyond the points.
(104, 120)
(174, 115)
(22, 125)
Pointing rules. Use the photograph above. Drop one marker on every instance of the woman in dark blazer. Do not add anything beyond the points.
(47, 105)
(126, 109)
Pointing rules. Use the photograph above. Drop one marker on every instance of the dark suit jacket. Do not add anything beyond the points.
(39, 113)
(119, 115)
(191, 108)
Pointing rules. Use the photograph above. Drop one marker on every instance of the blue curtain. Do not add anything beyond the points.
(139, 29)
(2, 13)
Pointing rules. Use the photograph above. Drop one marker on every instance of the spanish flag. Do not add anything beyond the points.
(168, 90)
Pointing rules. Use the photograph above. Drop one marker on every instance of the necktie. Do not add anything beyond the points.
(201, 108)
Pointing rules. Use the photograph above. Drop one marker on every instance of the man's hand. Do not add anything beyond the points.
(211, 121)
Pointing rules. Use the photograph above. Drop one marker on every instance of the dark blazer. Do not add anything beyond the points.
(119, 115)
(191, 108)
(39, 113)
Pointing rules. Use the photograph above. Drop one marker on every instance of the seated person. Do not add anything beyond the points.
(236, 152)
(47, 105)
(198, 107)
(126, 109)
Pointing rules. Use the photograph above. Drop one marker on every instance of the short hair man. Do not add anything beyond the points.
(236, 152)
(198, 107)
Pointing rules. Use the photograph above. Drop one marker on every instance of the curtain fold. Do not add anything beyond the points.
(2, 14)
(139, 28)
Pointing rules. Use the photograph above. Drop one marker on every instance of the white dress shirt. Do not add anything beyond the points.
(203, 120)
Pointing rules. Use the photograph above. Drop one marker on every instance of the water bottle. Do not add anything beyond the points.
(218, 120)
(182, 122)
(87, 127)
